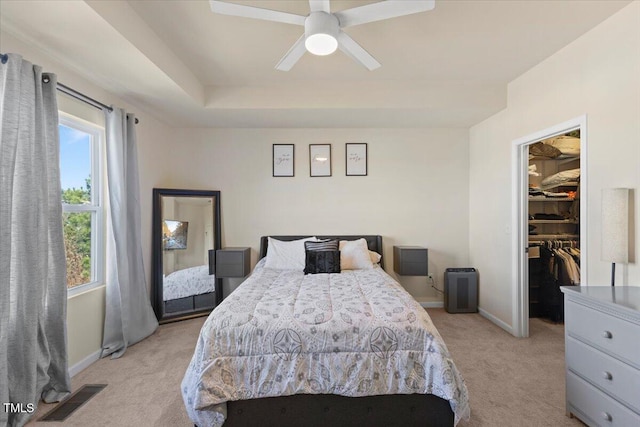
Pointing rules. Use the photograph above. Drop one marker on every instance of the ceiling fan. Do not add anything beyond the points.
(323, 30)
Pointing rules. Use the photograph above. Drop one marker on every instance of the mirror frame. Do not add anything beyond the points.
(157, 253)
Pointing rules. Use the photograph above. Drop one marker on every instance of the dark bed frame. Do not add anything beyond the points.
(328, 410)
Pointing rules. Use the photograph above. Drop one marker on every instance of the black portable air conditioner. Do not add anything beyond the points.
(461, 290)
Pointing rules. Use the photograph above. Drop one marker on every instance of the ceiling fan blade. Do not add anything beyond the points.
(233, 9)
(319, 6)
(382, 10)
(356, 52)
(292, 56)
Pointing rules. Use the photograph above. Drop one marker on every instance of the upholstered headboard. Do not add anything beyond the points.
(374, 242)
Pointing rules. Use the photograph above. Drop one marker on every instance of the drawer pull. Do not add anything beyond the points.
(607, 375)
(607, 334)
(606, 416)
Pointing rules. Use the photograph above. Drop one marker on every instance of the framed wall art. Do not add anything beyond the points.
(283, 160)
(320, 159)
(174, 234)
(356, 158)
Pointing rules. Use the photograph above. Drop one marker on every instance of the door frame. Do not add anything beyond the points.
(519, 215)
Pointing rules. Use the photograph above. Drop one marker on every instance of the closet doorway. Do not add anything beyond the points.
(557, 222)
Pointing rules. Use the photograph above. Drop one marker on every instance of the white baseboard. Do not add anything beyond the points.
(84, 363)
(494, 319)
(432, 304)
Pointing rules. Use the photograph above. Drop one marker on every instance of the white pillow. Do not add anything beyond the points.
(354, 255)
(283, 255)
(375, 257)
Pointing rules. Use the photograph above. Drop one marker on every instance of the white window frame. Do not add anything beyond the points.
(96, 208)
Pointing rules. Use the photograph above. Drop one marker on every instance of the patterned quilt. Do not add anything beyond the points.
(355, 333)
(187, 282)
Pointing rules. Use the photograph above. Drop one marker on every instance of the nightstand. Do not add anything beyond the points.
(410, 260)
(233, 262)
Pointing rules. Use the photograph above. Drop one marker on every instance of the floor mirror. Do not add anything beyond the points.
(186, 234)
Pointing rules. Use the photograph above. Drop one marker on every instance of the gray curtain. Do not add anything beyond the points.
(129, 317)
(33, 292)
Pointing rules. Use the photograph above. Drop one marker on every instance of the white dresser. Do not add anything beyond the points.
(602, 350)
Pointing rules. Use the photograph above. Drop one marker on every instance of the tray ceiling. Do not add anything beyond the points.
(187, 66)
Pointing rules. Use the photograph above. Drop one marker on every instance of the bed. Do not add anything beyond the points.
(354, 348)
(188, 289)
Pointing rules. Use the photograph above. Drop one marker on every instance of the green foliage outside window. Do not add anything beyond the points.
(77, 236)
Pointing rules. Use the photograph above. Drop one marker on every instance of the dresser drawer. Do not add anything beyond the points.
(614, 377)
(612, 334)
(596, 408)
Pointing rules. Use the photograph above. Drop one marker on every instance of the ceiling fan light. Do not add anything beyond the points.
(321, 31)
(321, 44)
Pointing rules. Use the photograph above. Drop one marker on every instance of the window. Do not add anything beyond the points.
(82, 211)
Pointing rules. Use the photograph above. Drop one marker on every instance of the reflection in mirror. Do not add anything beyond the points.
(185, 262)
(186, 235)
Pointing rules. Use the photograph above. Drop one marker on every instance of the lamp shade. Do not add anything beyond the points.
(615, 225)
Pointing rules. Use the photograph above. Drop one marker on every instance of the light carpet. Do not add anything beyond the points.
(511, 381)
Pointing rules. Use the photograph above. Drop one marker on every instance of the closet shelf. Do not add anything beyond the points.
(553, 236)
(552, 199)
(553, 221)
(564, 184)
(559, 161)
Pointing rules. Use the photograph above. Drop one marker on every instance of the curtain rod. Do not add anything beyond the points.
(84, 98)
(72, 92)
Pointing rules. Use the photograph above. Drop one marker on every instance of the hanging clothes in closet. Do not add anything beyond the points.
(561, 262)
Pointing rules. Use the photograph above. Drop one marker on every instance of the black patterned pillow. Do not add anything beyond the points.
(322, 245)
(322, 261)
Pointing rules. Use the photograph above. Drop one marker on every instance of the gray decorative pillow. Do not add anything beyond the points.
(322, 261)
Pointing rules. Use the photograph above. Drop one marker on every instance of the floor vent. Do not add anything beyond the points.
(73, 402)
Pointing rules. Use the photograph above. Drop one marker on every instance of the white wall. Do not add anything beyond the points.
(195, 253)
(415, 192)
(85, 311)
(597, 75)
